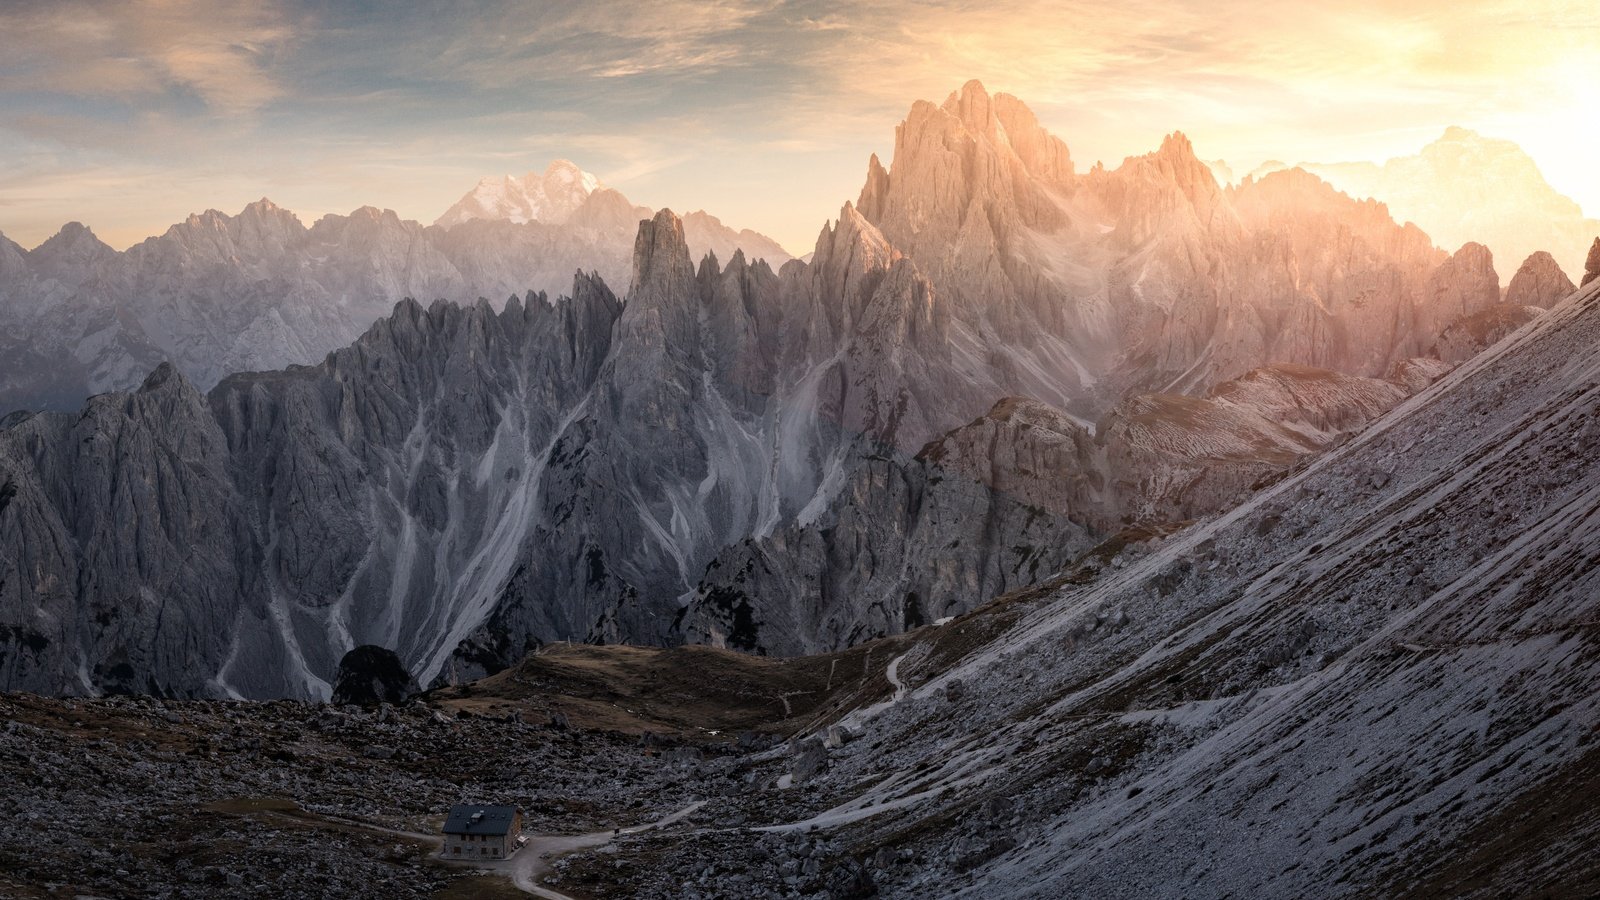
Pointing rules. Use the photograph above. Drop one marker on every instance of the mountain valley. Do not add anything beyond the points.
(1120, 532)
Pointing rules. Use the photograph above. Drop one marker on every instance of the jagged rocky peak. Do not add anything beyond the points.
(1539, 282)
(658, 335)
(974, 158)
(850, 247)
(74, 243)
(265, 211)
(1166, 193)
(261, 231)
(1177, 156)
(169, 401)
(1004, 119)
(13, 259)
(1466, 284)
(1591, 266)
(660, 257)
(72, 256)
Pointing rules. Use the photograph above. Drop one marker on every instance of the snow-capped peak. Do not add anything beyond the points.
(550, 197)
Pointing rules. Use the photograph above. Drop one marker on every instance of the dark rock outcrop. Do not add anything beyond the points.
(369, 675)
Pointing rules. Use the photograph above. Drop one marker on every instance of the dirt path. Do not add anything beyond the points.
(527, 865)
(893, 674)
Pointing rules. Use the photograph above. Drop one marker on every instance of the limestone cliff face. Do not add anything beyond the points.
(1465, 285)
(972, 179)
(1339, 274)
(1151, 276)
(239, 544)
(1011, 499)
(782, 460)
(461, 483)
(122, 530)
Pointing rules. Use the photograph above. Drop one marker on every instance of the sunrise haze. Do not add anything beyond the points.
(128, 117)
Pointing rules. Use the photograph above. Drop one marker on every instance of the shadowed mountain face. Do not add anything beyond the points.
(783, 460)
(1012, 498)
(458, 477)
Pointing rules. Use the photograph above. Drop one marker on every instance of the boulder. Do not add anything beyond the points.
(838, 736)
(810, 760)
(370, 675)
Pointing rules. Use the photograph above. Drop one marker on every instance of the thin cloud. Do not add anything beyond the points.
(218, 51)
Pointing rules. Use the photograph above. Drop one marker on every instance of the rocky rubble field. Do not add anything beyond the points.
(145, 797)
(133, 797)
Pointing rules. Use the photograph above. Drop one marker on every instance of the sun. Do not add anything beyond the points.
(1559, 125)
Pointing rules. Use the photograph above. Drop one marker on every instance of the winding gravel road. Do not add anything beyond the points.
(528, 864)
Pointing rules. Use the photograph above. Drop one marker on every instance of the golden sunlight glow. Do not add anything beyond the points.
(758, 91)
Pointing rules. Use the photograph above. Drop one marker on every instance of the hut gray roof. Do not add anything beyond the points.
(466, 818)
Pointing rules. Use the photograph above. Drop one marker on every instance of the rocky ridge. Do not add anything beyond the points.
(1011, 499)
(461, 484)
(1152, 277)
(218, 294)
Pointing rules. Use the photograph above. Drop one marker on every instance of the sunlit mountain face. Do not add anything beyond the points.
(799, 450)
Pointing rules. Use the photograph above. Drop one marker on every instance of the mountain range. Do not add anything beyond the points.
(990, 363)
(1042, 532)
(259, 290)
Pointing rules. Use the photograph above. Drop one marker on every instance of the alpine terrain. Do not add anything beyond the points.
(1045, 531)
(781, 461)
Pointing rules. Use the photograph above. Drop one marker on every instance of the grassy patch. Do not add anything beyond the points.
(479, 887)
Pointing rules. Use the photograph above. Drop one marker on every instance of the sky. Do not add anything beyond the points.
(130, 115)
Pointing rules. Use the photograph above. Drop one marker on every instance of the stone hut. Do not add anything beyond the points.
(481, 832)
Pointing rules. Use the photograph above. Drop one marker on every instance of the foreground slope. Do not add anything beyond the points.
(1321, 692)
